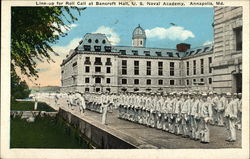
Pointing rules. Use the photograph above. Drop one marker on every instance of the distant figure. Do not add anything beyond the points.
(105, 103)
(36, 102)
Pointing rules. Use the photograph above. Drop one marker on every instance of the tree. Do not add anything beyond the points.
(34, 30)
(19, 88)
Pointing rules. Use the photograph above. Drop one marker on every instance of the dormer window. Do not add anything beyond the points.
(97, 48)
(158, 53)
(178, 54)
(107, 48)
(170, 54)
(197, 51)
(86, 47)
(147, 53)
(135, 52)
(123, 52)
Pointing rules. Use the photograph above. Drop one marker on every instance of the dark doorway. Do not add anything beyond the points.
(238, 82)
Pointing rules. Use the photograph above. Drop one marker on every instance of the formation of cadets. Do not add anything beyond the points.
(181, 113)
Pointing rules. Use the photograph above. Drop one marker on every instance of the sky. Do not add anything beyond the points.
(189, 25)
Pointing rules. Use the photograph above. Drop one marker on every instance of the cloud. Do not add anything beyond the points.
(208, 42)
(172, 33)
(65, 29)
(112, 36)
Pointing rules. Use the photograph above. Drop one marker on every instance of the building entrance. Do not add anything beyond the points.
(238, 82)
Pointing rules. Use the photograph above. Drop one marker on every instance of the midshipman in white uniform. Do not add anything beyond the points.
(231, 117)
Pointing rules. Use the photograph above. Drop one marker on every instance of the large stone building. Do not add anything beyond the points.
(95, 65)
(227, 64)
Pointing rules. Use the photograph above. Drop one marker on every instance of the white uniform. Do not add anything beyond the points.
(206, 115)
(230, 119)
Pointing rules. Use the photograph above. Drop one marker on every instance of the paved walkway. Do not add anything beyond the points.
(162, 139)
(153, 138)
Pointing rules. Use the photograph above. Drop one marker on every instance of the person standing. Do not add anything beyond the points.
(231, 117)
(206, 114)
(177, 114)
(105, 104)
(239, 116)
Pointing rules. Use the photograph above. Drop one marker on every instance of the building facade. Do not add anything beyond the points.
(227, 54)
(97, 66)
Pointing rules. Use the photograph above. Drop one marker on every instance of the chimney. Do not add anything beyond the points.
(182, 47)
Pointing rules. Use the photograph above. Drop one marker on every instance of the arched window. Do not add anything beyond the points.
(141, 42)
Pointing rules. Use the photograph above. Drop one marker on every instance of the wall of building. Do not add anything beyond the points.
(227, 58)
(198, 80)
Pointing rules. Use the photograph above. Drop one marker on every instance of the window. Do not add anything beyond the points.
(108, 61)
(74, 64)
(86, 89)
(141, 42)
(108, 89)
(124, 67)
(136, 81)
(86, 80)
(87, 61)
(104, 41)
(97, 48)
(148, 82)
(202, 66)
(148, 67)
(96, 40)
(147, 53)
(107, 48)
(108, 69)
(194, 67)
(107, 80)
(194, 81)
(210, 81)
(98, 89)
(135, 52)
(160, 82)
(158, 53)
(123, 52)
(97, 69)
(160, 68)
(136, 89)
(202, 80)
(187, 82)
(170, 54)
(209, 64)
(98, 61)
(171, 82)
(238, 38)
(171, 68)
(136, 67)
(86, 47)
(187, 68)
(124, 81)
(98, 80)
(89, 41)
(86, 69)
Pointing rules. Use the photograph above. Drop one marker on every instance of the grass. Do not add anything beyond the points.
(29, 106)
(46, 132)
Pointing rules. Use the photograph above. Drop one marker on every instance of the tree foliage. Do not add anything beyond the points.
(34, 30)
(19, 88)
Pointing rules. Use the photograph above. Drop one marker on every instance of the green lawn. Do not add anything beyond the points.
(29, 106)
(46, 132)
